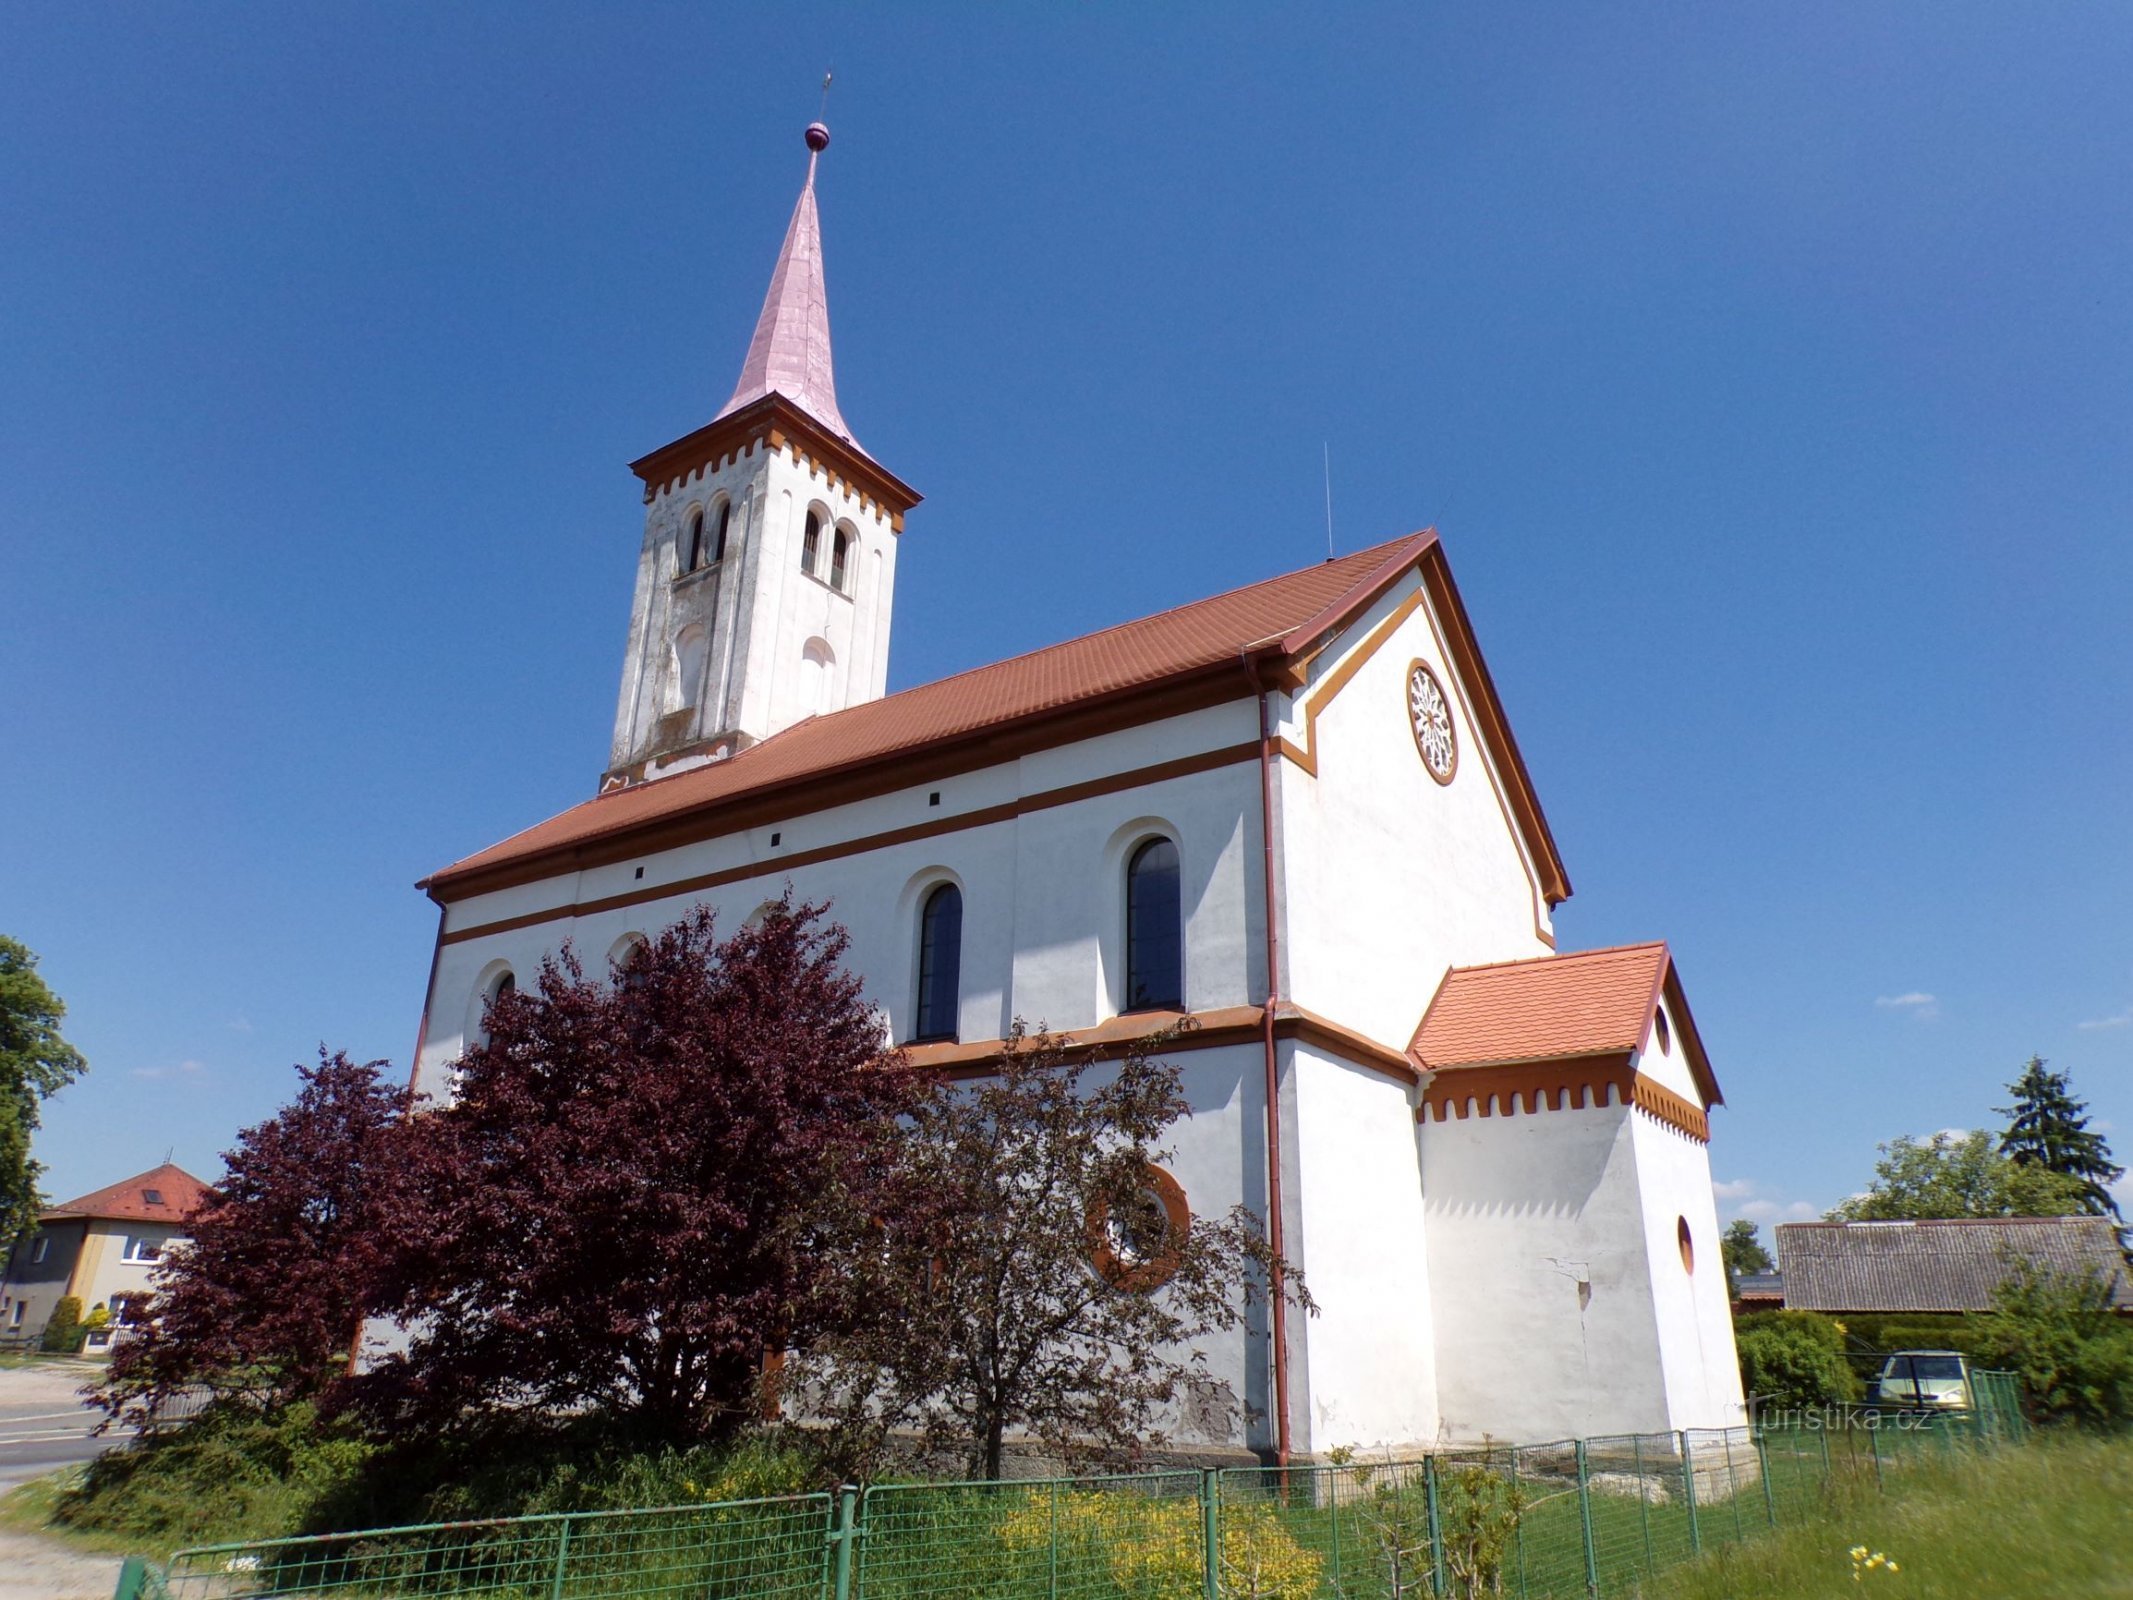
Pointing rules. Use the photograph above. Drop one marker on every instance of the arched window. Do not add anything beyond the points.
(691, 647)
(811, 543)
(839, 573)
(696, 540)
(940, 963)
(725, 520)
(1155, 934)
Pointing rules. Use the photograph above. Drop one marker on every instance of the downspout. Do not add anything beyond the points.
(1277, 1288)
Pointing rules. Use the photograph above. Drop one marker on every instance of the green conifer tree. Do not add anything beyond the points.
(2048, 1127)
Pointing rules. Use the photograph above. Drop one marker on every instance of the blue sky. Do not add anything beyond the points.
(1768, 370)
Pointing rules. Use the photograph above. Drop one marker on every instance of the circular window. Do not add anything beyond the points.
(1659, 1027)
(1429, 714)
(1688, 1245)
(1134, 1243)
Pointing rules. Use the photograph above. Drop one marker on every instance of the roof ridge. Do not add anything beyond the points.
(822, 717)
(1556, 956)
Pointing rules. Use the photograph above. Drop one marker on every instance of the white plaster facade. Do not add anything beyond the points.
(1514, 1275)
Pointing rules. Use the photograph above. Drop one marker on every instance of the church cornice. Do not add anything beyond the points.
(776, 423)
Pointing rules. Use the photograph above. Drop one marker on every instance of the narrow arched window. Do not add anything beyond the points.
(725, 520)
(840, 547)
(692, 647)
(696, 540)
(940, 963)
(811, 543)
(1155, 934)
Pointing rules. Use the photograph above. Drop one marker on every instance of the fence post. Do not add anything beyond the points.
(1592, 1559)
(1644, 1503)
(562, 1561)
(1051, 1553)
(1211, 1534)
(132, 1578)
(847, 1505)
(1762, 1465)
(1873, 1447)
(1436, 1528)
(1332, 1484)
(1823, 1434)
(1688, 1491)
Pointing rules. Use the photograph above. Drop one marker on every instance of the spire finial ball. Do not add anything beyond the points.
(818, 137)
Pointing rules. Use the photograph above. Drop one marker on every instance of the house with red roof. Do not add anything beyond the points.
(101, 1249)
(1292, 815)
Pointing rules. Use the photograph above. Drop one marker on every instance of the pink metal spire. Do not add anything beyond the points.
(790, 353)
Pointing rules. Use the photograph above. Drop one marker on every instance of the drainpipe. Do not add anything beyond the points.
(1277, 1288)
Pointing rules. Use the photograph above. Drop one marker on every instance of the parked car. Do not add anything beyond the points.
(1922, 1380)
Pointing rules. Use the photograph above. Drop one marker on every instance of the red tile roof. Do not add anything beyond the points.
(1284, 614)
(178, 1195)
(1587, 1003)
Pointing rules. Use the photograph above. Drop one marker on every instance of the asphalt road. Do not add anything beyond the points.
(43, 1422)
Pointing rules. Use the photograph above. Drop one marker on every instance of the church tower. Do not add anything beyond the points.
(769, 558)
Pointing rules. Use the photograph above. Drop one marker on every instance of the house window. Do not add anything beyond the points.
(811, 543)
(1154, 930)
(15, 1318)
(725, 520)
(1659, 1027)
(152, 1197)
(1686, 1243)
(840, 548)
(940, 963)
(696, 539)
(41, 1249)
(144, 1250)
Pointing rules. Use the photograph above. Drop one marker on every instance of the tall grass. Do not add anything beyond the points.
(2053, 1519)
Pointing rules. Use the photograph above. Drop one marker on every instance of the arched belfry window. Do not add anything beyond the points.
(811, 543)
(1155, 932)
(725, 521)
(840, 569)
(695, 540)
(940, 963)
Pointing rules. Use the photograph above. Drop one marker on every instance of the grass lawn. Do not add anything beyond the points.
(2053, 1519)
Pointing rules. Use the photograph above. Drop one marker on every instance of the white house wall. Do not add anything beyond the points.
(1389, 877)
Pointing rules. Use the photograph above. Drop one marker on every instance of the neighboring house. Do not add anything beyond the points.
(1292, 817)
(100, 1248)
(1946, 1266)
(1759, 1291)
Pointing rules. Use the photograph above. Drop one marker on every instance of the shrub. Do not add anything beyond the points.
(1478, 1513)
(1150, 1548)
(230, 1473)
(2058, 1334)
(64, 1334)
(1794, 1358)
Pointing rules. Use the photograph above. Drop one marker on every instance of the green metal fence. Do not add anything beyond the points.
(1582, 1518)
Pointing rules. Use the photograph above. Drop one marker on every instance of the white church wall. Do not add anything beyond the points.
(1369, 1356)
(1521, 1211)
(1697, 1357)
(1665, 1061)
(1389, 877)
(1043, 903)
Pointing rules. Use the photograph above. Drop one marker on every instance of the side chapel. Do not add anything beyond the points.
(1293, 812)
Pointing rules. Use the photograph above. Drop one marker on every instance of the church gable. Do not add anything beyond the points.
(1411, 840)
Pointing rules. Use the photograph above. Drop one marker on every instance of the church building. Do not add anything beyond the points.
(1292, 814)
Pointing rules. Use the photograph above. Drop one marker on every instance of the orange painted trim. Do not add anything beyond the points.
(984, 816)
(1157, 1270)
(1576, 1083)
(1204, 1030)
(766, 421)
